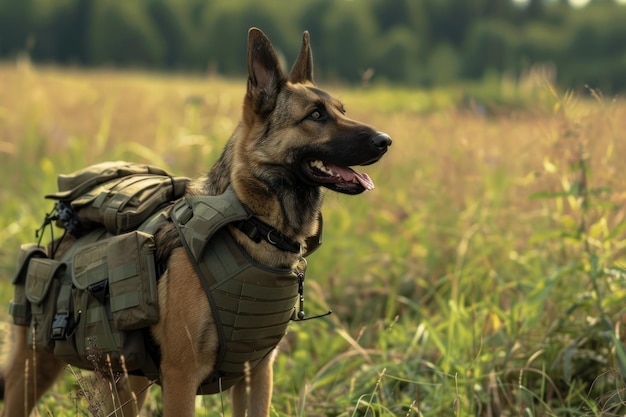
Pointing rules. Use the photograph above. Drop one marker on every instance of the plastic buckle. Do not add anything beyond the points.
(59, 326)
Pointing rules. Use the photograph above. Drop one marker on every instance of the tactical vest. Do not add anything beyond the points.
(252, 304)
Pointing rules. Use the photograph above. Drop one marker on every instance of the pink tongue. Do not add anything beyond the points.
(348, 174)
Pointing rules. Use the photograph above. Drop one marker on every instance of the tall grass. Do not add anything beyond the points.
(483, 276)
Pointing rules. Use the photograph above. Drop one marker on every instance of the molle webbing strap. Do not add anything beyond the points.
(133, 186)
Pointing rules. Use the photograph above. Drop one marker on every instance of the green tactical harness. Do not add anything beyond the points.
(95, 303)
(252, 304)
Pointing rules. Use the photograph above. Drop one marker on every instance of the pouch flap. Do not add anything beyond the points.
(124, 254)
(74, 184)
(40, 273)
(27, 252)
(89, 264)
(132, 277)
(110, 259)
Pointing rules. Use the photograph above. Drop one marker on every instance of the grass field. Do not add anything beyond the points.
(484, 276)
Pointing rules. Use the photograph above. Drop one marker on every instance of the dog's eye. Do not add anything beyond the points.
(317, 115)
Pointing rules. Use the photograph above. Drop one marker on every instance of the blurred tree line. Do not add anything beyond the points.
(420, 42)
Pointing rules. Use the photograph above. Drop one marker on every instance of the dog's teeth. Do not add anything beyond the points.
(319, 165)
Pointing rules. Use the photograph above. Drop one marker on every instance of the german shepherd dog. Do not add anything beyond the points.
(292, 140)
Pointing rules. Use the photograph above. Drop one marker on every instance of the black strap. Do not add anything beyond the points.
(256, 230)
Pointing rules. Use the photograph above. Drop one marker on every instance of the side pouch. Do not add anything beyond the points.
(133, 281)
(42, 288)
(98, 343)
(19, 307)
(102, 272)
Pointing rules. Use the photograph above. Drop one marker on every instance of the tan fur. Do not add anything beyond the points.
(266, 161)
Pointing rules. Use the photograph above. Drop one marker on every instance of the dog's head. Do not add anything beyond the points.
(294, 132)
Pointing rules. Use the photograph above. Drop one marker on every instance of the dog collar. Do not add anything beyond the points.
(256, 230)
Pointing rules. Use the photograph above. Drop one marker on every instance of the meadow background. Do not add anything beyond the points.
(484, 276)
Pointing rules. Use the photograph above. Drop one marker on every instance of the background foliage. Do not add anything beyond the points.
(426, 42)
(484, 276)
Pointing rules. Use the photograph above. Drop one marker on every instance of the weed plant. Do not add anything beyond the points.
(484, 276)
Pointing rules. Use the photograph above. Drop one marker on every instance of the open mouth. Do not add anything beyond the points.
(337, 178)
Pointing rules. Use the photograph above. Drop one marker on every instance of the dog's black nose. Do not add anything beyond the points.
(381, 140)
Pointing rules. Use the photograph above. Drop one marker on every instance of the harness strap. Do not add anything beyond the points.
(182, 230)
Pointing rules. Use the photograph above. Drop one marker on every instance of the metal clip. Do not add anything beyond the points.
(301, 314)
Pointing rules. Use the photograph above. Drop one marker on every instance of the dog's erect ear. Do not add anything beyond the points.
(265, 77)
(302, 70)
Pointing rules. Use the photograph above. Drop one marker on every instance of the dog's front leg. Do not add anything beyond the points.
(186, 335)
(254, 392)
(179, 391)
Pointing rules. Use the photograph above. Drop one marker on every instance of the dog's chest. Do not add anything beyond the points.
(252, 303)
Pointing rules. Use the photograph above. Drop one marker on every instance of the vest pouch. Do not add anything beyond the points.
(19, 306)
(118, 195)
(123, 204)
(43, 281)
(96, 339)
(133, 281)
(98, 343)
